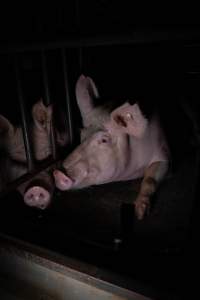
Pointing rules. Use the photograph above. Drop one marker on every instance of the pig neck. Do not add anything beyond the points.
(141, 151)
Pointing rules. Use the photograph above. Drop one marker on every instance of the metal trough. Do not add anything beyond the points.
(30, 272)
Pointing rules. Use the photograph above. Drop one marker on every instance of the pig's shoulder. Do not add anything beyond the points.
(158, 140)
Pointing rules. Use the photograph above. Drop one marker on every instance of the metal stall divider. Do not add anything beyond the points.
(32, 167)
(25, 127)
(67, 97)
(47, 102)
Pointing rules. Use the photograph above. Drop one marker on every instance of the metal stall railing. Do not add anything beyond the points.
(32, 167)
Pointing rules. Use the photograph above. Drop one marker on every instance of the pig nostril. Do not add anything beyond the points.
(129, 115)
(41, 195)
(65, 180)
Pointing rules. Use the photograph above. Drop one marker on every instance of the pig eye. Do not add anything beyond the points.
(104, 139)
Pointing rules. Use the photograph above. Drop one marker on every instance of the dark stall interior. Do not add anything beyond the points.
(42, 54)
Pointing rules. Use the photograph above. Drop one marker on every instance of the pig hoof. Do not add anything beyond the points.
(142, 206)
(37, 197)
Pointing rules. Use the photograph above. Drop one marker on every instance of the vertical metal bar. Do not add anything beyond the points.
(78, 25)
(80, 56)
(47, 102)
(45, 79)
(25, 128)
(77, 12)
(68, 104)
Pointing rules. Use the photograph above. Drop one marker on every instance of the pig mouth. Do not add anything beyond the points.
(74, 179)
(65, 181)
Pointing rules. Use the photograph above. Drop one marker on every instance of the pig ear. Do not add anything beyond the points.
(41, 114)
(86, 91)
(129, 119)
(5, 126)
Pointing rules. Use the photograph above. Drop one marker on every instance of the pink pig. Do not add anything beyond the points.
(115, 146)
(38, 191)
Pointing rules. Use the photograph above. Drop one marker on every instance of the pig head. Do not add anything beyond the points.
(115, 145)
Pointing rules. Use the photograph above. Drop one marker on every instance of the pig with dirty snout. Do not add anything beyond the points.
(38, 191)
(115, 146)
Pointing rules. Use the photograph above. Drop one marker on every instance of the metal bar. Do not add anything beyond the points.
(91, 277)
(25, 128)
(47, 102)
(78, 24)
(45, 79)
(136, 37)
(68, 104)
(80, 57)
(78, 15)
(53, 139)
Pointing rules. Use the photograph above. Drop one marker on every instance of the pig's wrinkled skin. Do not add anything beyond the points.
(116, 146)
(39, 190)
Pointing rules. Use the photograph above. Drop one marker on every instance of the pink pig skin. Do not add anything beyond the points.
(116, 146)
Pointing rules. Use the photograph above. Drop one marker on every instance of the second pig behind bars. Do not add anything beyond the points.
(38, 191)
(116, 145)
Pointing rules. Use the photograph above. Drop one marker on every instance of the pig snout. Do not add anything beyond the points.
(37, 196)
(72, 176)
(62, 181)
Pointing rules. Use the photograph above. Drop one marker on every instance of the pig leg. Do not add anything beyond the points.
(152, 177)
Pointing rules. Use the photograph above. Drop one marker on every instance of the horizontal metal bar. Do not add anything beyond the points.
(136, 37)
(121, 287)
